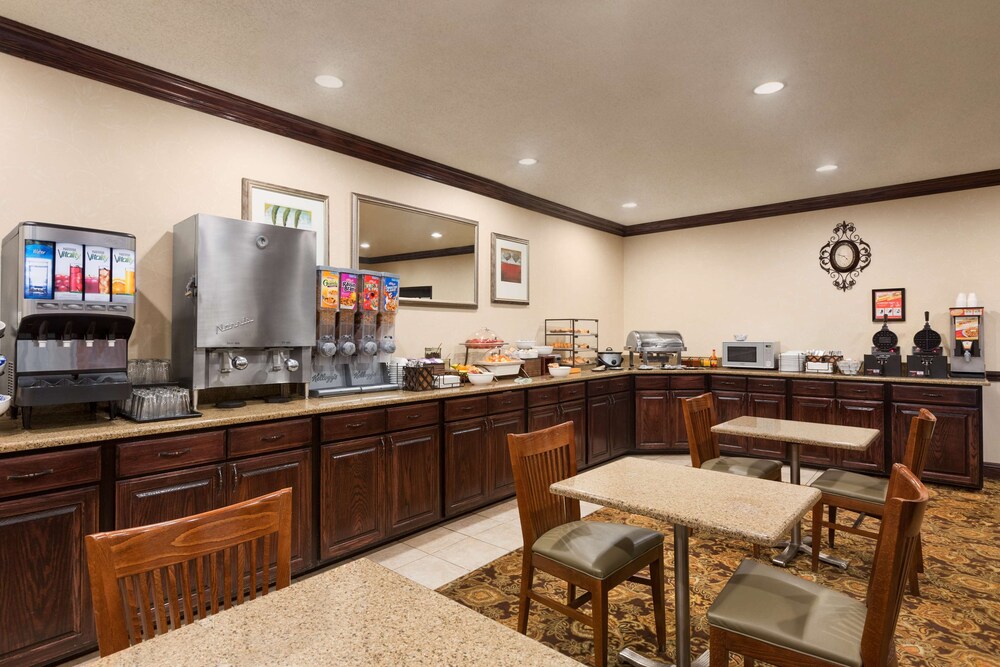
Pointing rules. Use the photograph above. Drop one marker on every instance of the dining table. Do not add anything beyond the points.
(796, 433)
(742, 508)
(355, 614)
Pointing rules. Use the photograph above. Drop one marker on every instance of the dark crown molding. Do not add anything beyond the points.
(23, 41)
(419, 254)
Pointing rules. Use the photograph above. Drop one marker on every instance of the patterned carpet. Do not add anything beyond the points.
(955, 622)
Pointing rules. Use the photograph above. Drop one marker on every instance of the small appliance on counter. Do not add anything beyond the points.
(928, 358)
(750, 354)
(609, 359)
(244, 304)
(884, 359)
(656, 349)
(69, 298)
(967, 349)
(792, 361)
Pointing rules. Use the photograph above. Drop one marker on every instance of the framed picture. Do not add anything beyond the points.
(891, 302)
(287, 207)
(509, 278)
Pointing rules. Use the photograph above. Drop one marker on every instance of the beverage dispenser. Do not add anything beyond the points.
(967, 348)
(244, 305)
(68, 297)
(387, 317)
(330, 372)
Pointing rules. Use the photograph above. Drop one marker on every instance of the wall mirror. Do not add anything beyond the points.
(435, 255)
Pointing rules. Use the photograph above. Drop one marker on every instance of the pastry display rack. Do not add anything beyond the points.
(573, 339)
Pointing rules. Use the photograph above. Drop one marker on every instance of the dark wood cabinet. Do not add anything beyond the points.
(45, 607)
(167, 496)
(621, 422)
(501, 473)
(730, 405)
(956, 448)
(599, 410)
(653, 419)
(352, 492)
(771, 406)
(864, 414)
(413, 479)
(822, 410)
(576, 412)
(466, 470)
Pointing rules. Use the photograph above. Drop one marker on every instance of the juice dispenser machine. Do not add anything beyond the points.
(68, 297)
(244, 310)
(967, 350)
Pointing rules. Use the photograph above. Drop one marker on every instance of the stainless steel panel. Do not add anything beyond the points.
(55, 356)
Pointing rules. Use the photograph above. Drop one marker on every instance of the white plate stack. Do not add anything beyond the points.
(791, 362)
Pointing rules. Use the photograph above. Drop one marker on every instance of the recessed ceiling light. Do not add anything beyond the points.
(329, 81)
(769, 87)
(527, 161)
(365, 245)
(827, 167)
(436, 235)
(630, 204)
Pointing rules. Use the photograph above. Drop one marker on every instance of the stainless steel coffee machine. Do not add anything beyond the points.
(68, 298)
(244, 310)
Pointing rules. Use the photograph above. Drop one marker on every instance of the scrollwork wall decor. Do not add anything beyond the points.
(845, 256)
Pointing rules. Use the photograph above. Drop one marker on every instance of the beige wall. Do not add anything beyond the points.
(763, 278)
(82, 153)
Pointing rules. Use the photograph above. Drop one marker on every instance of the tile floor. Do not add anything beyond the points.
(444, 553)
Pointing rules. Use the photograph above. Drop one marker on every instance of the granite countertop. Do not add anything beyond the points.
(760, 372)
(756, 510)
(803, 433)
(356, 614)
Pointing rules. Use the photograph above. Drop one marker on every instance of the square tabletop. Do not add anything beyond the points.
(756, 510)
(803, 433)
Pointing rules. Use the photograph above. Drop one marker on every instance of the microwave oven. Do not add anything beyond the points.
(750, 354)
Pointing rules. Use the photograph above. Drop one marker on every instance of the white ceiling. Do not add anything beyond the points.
(619, 100)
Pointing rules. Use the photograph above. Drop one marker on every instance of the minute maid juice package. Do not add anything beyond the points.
(348, 291)
(390, 294)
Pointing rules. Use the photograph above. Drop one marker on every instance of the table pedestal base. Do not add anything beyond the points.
(630, 657)
(793, 549)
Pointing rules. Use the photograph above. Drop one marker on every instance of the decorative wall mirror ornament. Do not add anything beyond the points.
(845, 256)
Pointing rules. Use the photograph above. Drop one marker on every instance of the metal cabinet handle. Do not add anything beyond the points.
(272, 438)
(236, 478)
(464, 409)
(174, 454)
(355, 425)
(219, 471)
(416, 416)
(30, 475)
(931, 395)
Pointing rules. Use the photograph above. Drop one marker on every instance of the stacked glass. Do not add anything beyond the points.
(147, 403)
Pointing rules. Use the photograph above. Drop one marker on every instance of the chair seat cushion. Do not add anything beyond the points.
(594, 548)
(776, 607)
(852, 485)
(746, 466)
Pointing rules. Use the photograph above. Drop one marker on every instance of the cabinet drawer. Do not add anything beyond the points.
(620, 384)
(407, 416)
(543, 396)
(145, 456)
(869, 390)
(935, 394)
(269, 437)
(688, 382)
(812, 388)
(728, 383)
(766, 385)
(463, 408)
(26, 474)
(351, 425)
(598, 387)
(569, 392)
(654, 382)
(506, 401)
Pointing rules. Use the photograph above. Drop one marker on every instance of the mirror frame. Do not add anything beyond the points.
(358, 199)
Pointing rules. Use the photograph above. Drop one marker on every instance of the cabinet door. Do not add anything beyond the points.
(679, 436)
(167, 496)
(466, 479)
(771, 406)
(821, 410)
(351, 513)
(45, 608)
(598, 428)
(865, 414)
(413, 478)
(621, 422)
(501, 474)
(730, 405)
(954, 456)
(261, 475)
(652, 419)
(576, 412)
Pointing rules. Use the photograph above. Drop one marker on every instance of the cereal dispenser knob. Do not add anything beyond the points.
(369, 347)
(348, 347)
(388, 344)
(327, 349)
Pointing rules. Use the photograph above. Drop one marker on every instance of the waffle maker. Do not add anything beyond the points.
(927, 359)
(884, 359)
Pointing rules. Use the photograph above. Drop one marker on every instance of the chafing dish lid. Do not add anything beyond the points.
(655, 341)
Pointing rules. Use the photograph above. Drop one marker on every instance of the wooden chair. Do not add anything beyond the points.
(767, 614)
(150, 579)
(699, 418)
(866, 494)
(592, 555)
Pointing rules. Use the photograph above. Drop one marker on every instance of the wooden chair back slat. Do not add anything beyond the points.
(699, 418)
(899, 533)
(539, 459)
(152, 579)
(918, 442)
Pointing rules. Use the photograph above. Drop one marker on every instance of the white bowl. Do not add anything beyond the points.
(525, 344)
(4, 403)
(480, 378)
(560, 371)
(544, 349)
(740, 337)
(849, 366)
(501, 368)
